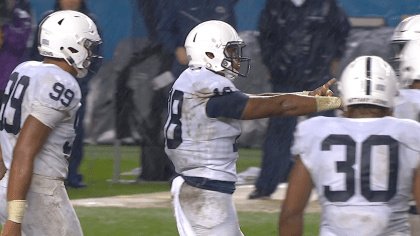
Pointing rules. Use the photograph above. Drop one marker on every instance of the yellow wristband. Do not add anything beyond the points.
(327, 103)
(15, 210)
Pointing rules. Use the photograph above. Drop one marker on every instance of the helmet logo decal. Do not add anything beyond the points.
(46, 42)
(44, 53)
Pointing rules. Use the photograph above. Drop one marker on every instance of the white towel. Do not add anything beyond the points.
(184, 226)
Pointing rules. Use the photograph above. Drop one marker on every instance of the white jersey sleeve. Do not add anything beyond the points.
(362, 170)
(56, 98)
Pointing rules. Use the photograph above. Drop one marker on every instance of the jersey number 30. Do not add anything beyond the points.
(346, 167)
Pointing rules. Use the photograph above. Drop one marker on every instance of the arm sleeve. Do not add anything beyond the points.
(230, 105)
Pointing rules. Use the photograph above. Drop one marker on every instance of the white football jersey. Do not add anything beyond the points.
(52, 96)
(200, 146)
(407, 104)
(362, 170)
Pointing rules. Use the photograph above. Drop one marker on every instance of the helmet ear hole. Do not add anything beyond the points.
(73, 50)
(210, 55)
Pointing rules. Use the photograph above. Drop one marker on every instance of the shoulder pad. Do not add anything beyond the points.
(56, 90)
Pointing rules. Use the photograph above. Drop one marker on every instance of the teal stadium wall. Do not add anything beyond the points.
(119, 19)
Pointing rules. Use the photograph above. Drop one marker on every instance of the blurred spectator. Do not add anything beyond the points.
(177, 18)
(15, 30)
(301, 44)
(74, 179)
(154, 162)
(124, 94)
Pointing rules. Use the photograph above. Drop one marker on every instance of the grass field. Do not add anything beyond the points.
(97, 168)
(160, 222)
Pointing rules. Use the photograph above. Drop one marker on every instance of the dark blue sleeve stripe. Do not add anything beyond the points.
(230, 105)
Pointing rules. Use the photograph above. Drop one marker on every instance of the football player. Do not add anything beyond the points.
(364, 166)
(37, 122)
(406, 30)
(204, 109)
(407, 103)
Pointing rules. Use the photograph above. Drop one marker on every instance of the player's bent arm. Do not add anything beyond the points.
(297, 196)
(31, 139)
(416, 187)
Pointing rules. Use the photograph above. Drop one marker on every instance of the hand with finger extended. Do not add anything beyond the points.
(324, 90)
(11, 229)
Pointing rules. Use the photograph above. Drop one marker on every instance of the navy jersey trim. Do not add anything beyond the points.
(209, 184)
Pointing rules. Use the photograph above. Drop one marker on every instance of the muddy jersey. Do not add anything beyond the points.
(52, 96)
(362, 170)
(198, 145)
(407, 104)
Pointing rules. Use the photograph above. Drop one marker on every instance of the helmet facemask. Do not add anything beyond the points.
(233, 63)
(91, 48)
(397, 47)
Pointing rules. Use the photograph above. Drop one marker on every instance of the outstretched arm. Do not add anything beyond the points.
(259, 107)
(290, 104)
(297, 196)
(324, 90)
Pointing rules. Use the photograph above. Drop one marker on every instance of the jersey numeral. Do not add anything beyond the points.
(346, 167)
(60, 91)
(13, 94)
(174, 129)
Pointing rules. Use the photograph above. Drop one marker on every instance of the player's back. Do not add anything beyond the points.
(362, 170)
(407, 104)
(40, 90)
